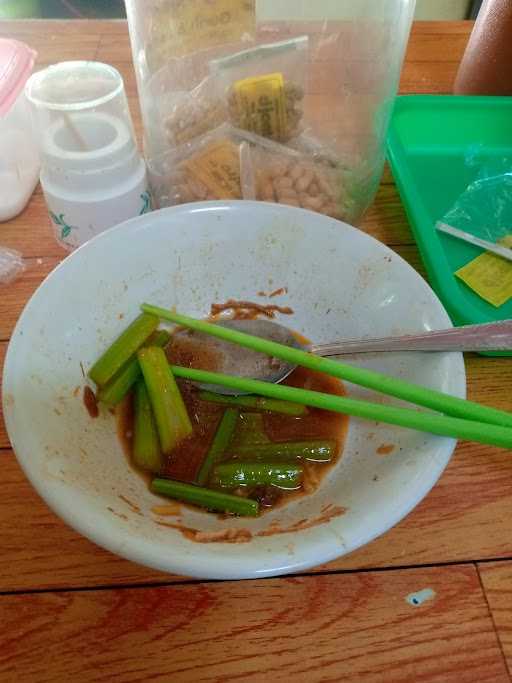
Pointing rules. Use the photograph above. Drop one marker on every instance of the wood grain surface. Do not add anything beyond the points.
(496, 580)
(70, 610)
(307, 629)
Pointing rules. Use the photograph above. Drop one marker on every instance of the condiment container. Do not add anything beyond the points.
(92, 174)
(19, 158)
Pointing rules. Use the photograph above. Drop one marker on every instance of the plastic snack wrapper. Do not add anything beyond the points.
(484, 210)
(264, 87)
(230, 163)
(307, 176)
(11, 265)
(205, 169)
(278, 70)
(193, 114)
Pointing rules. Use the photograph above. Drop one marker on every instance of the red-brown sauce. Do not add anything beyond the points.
(90, 402)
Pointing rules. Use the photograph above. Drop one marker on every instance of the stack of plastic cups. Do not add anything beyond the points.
(92, 174)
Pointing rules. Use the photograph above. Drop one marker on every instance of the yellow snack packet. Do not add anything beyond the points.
(490, 276)
(261, 105)
(218, 168)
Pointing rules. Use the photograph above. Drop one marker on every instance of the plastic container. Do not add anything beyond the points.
(19, 159)
(92, 175)
(334, 66)
(432, 142)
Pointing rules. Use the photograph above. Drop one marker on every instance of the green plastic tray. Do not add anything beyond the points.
(428, 144)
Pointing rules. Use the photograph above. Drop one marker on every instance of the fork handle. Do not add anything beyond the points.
(486, 337)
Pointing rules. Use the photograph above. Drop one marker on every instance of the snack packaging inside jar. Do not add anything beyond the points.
(307, 175)
(192, 114)
(205, 169)
(264, 87)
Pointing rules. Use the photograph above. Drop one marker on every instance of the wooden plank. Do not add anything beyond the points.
(54, 41)
(386, 219)
(496, 580)
(4, 439)
(433, 78)
(442, 28)
(425, 47)
(23, 28)
(311, 629)
(31, 232)
(17, 294)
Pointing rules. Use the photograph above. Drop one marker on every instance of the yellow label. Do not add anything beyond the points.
(180, 27)
(261, 105)
(218, 167)
(490, 276)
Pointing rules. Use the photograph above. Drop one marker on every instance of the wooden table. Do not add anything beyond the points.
(70, 610)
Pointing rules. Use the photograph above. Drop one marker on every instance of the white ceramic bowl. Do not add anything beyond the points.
(341, 283)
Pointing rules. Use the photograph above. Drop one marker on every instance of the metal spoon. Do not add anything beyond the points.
(231, 359)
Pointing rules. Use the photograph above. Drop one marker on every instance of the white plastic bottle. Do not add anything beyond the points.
(92, 174)
(19, 157)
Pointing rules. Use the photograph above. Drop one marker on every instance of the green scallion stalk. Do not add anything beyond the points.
(206, 498)
(171, 417)
(255, 402)
(231, 475)
(146, 445)
(219, 445)
(116, 389)
(123, 348)
(313, 451)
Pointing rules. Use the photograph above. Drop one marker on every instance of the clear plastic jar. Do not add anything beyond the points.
(19, 158)
(318, 77)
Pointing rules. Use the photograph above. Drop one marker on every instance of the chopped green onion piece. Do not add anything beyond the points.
(206, 498)
(146, 446)
(314, 451)
(172, 420)
(116, 389)
(123, 348)
(230, 475)
(250, 430)
(220, 443)
(256, 402)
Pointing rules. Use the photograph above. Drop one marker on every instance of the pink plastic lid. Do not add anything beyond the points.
(16, 64)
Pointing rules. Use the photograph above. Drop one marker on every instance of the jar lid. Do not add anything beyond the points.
(16, 64)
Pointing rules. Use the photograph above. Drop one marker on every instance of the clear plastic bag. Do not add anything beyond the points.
(307, 175)
(482, 215)
(11, 265)
(484, 209)
(264, 87)
(193, 114)
(205, 169)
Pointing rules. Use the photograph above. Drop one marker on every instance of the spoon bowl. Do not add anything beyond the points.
(222, 356)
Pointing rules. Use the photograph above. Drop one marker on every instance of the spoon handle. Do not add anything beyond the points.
(487, 337)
